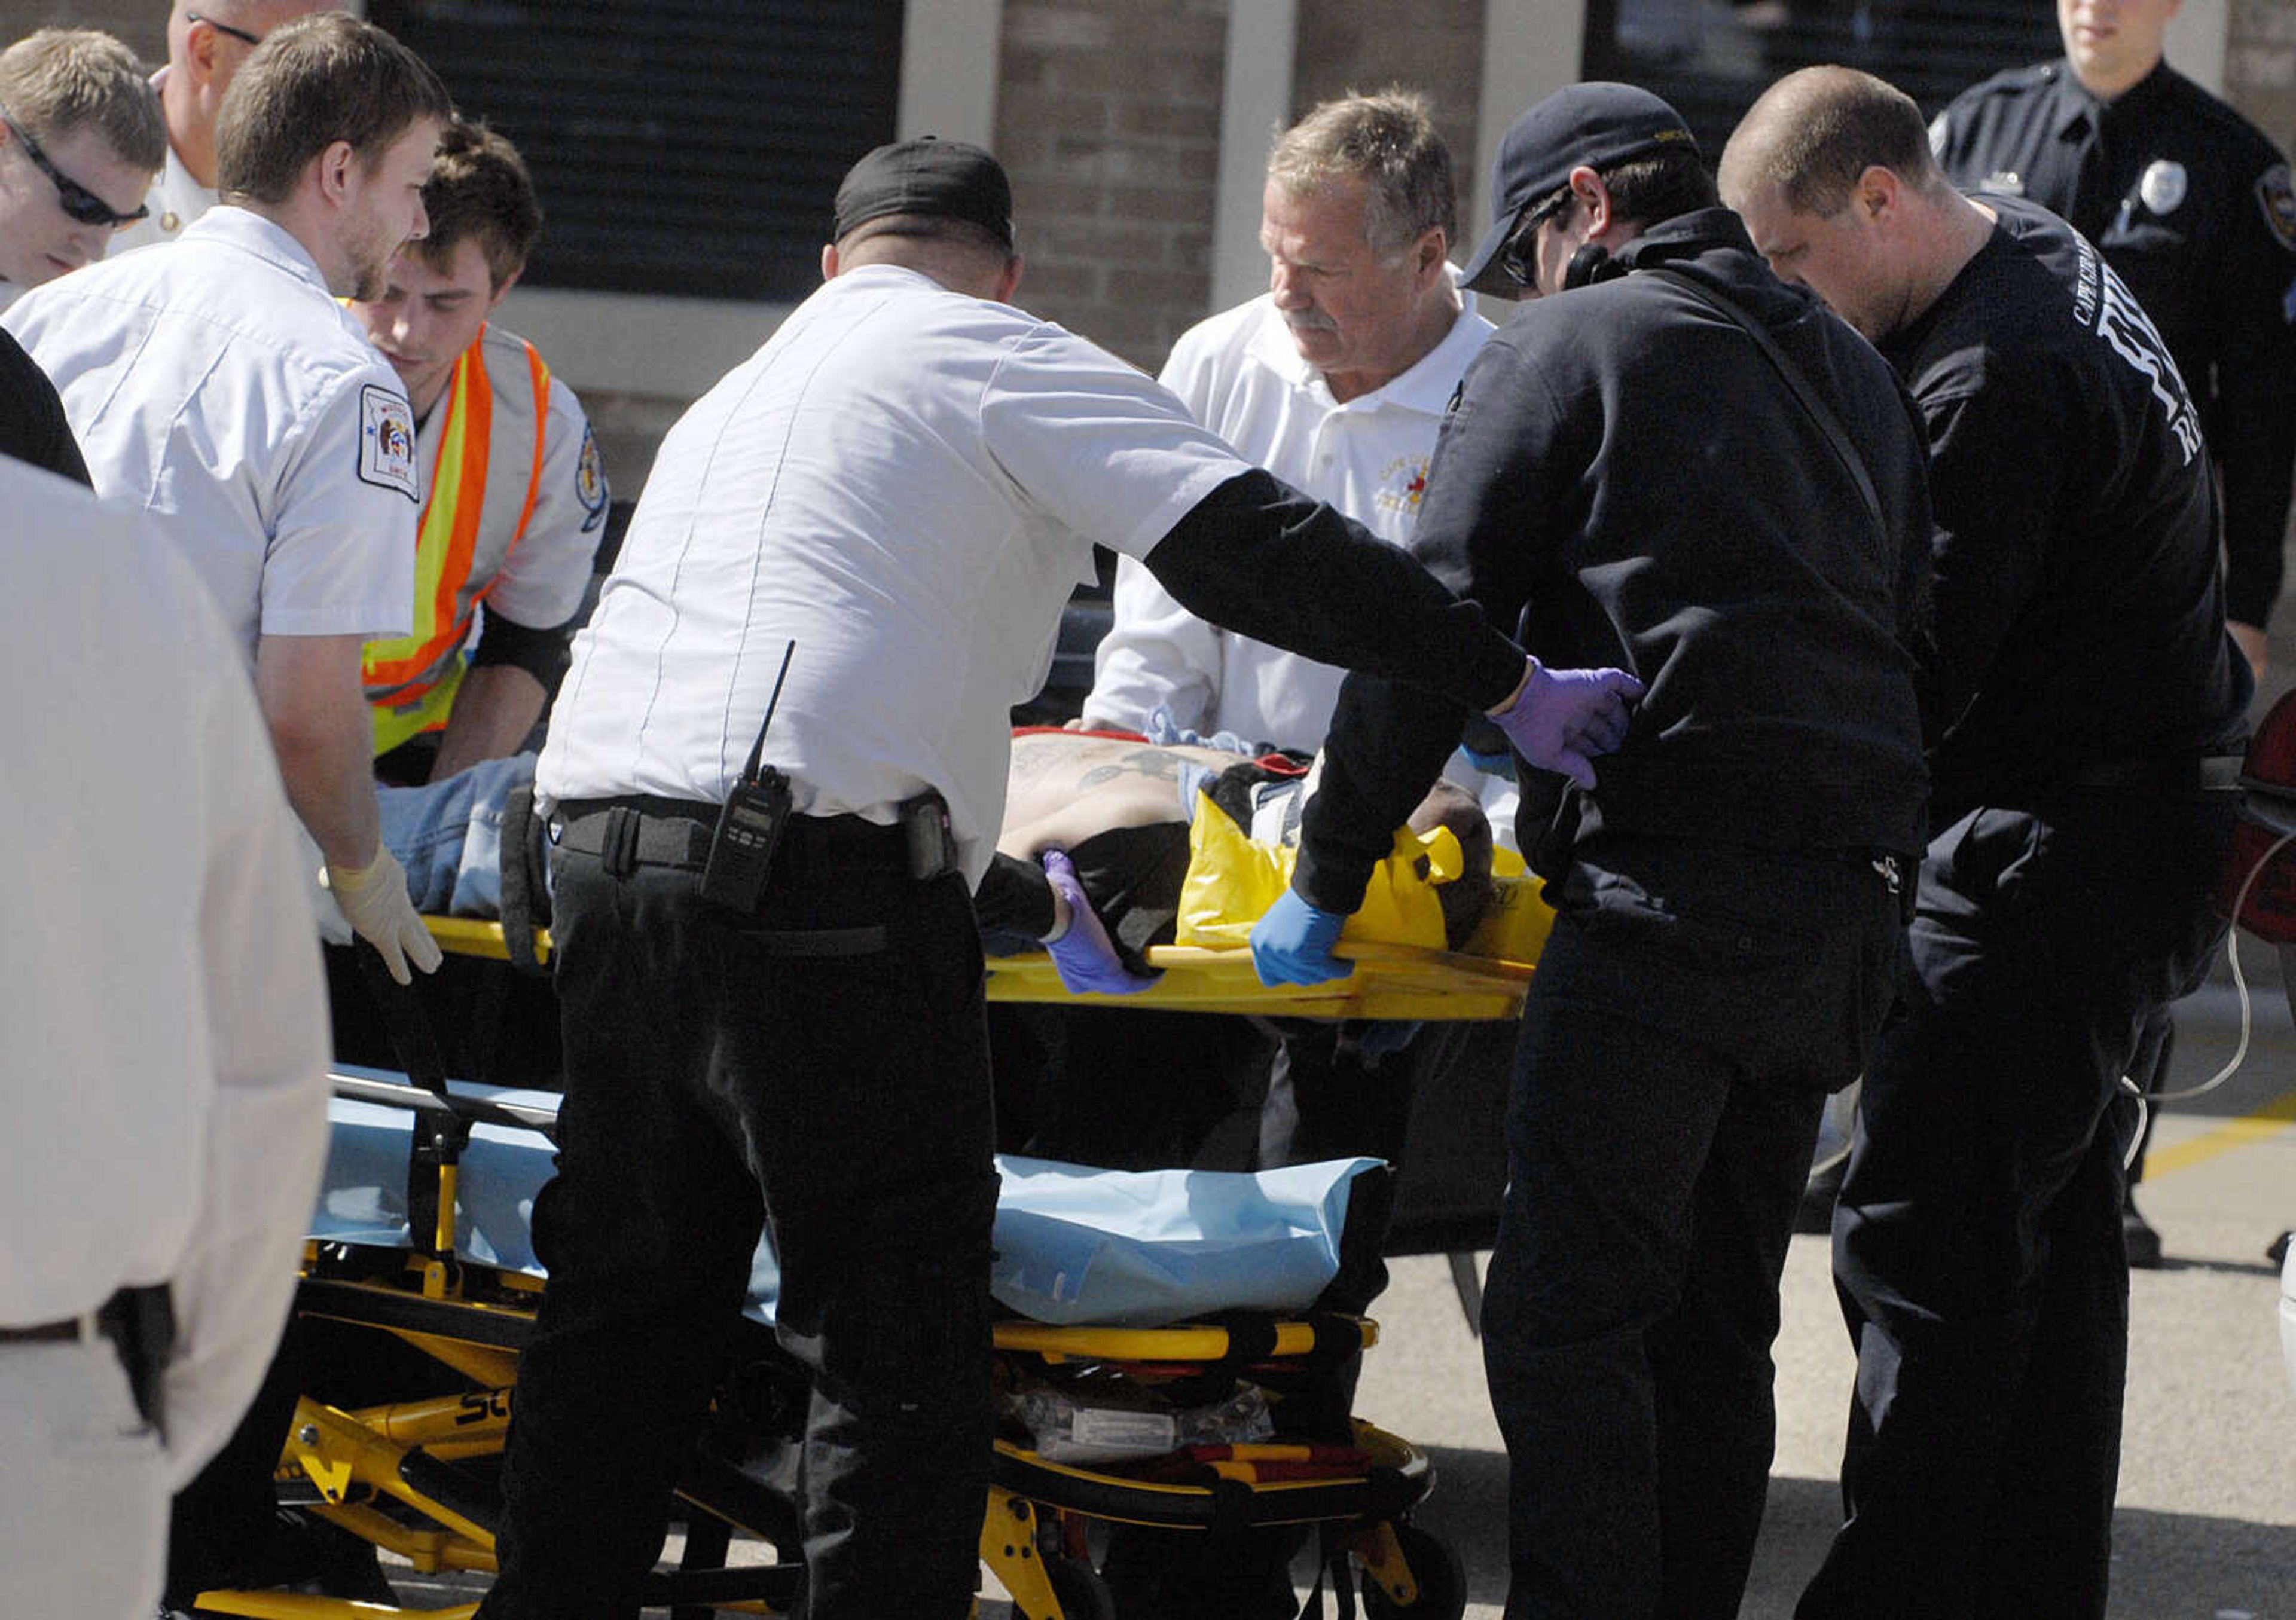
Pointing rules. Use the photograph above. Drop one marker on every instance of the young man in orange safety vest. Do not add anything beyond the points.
(516, 499)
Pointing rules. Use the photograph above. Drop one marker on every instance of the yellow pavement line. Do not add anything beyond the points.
(2267, 1121)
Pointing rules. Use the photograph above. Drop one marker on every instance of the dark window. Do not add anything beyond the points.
(1711, 61)
(681, 146)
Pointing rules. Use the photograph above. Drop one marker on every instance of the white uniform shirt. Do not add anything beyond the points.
(1241, 376)
(220, 387)
(907, 483)
(166, 1044)
(176, 200)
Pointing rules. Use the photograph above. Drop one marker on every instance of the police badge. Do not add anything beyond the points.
(2163, 187)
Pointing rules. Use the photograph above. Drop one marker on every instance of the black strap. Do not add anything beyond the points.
(525, 892)
(1812, 402)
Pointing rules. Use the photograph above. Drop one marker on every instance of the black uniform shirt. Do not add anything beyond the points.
(2193, 206)
(2079, 603)
(1626, 476)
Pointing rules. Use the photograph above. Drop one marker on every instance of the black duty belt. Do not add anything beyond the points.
(648, 831)
(141, 1324)
(2214, 773)
(48, 1332)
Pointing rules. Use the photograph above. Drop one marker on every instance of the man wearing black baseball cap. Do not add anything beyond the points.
(1632, 475)
(886, 504)
(1596, 127)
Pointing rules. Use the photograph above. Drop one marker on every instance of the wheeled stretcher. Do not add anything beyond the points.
(420, 1239)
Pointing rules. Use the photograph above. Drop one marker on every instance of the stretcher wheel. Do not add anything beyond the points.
(1441, 1576)
(1080, 1591)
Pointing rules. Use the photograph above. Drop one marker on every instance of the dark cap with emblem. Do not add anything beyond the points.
(1599, 125)
(930, 179)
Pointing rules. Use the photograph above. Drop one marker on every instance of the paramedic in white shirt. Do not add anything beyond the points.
(219, 386)
(898, 493)
(165, 1054)
(80, 138)
(1336, 380)
(208, 41)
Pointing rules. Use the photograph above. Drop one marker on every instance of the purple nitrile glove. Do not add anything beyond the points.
(1292, 944)
(1083, 956)
(1563, 718)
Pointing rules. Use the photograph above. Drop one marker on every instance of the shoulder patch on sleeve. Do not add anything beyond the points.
(590, 482)
(2275, 194)
(387, 441)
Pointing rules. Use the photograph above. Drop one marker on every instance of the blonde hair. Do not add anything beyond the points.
(58, 80)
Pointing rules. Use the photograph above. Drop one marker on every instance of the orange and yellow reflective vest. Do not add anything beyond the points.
(483, 486)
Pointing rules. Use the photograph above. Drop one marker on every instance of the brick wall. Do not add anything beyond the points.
(140, 24)
(1108, 120)
(2260, 66)
(1433, 47)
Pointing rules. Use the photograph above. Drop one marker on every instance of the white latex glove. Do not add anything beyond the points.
(375, 903)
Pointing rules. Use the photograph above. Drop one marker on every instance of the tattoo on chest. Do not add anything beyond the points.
(1156, 765)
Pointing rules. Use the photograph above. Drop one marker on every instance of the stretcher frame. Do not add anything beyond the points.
(1389, 981)
(394, 1473)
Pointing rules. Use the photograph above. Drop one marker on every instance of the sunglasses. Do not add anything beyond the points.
(1526, 231)
(225, 27)
(75, 199)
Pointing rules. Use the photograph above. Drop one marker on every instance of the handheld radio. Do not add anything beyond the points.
(749, 824)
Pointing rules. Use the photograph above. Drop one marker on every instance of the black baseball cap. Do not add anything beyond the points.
(1598, 124)
(930, 176)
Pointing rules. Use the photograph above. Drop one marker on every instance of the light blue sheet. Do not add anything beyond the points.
(1073, 1245)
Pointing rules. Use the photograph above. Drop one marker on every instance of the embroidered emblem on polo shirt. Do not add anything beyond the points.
(1402, 484)
(387, 441)
(2277, 195)
(590, 482)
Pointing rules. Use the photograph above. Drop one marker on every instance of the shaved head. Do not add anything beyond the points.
(1815, 132)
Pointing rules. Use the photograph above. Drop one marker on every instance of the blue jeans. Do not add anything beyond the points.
(448, 837)
(1691, 1010)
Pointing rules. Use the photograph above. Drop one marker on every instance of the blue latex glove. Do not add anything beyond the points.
(1165, 732)
(1378, 1038)
(1501, 766)
(1083, 956)
(1292, 944)
(1563, 718)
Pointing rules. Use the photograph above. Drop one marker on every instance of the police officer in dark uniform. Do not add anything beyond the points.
(1728, 890)
(2193, 206)
(2089, 706)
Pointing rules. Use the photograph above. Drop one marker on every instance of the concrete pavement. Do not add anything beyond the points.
(2206, 1527)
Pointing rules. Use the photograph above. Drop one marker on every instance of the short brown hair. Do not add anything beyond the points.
(58, 80)
(1659, 186)
(1815, 131)
(478, 188)
(1387, 140)
(319, 79)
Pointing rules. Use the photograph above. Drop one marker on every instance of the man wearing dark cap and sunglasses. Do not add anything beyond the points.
(776, 772)
(80, 138)
(1673, 463)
